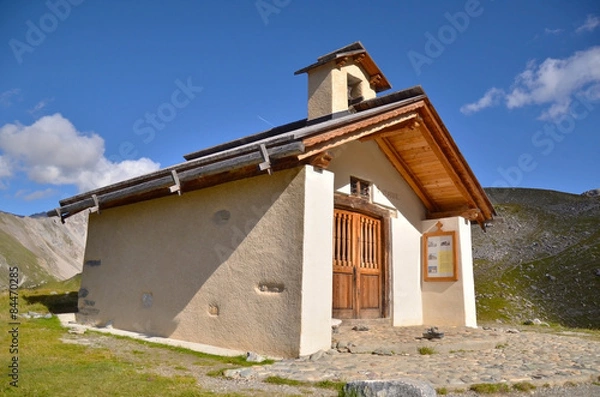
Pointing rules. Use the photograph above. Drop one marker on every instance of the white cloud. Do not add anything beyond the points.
(591, 23)
(553, 31)
(5, 168)
(553, 83)
(490, 98)
(5, 171)
(40, 105)
(52, 151)
(37, 195)
(6, 97)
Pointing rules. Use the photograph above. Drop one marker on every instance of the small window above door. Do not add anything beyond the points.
(360, 188)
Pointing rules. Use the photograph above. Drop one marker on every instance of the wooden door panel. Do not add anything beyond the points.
(370, 294)
(343, 295)
(357, 276)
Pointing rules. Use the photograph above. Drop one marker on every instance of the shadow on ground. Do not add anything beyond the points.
(56, 304)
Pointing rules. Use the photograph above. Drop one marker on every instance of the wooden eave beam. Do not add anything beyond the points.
(394, 130)
(468, 181)
(400, 166)
(472, 214)
(339, 136)
(442, 152)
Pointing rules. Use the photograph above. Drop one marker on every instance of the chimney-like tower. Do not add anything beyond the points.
(342, 78)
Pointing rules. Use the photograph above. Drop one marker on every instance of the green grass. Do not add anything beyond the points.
(523, 386)
(16, 254)
(542, 232)
(490, 388)
(277, 380)
(49, 367)
(442, 391)
(204, 358)
(426, 350)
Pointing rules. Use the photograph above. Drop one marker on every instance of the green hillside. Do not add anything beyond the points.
(539, 259)
(13, 253)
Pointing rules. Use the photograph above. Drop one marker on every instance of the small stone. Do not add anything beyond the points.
(597, 272)
(383, 352)
(232, 373)
(513, 331)
(335, 322)
(316, 356)
(550, 277)
(77, 330)
(360, 327)
(252, 357)
(332, 352)
(342, 345)
(246, 373)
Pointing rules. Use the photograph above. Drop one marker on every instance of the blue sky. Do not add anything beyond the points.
(94, 92)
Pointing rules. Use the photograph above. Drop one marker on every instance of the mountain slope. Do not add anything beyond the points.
(539, 258)
(42, 248)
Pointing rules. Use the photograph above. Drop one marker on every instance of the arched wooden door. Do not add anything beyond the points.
(357, 266)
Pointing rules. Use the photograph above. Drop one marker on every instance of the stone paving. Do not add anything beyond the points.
(464, 356)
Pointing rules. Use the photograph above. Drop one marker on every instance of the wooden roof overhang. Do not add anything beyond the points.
(404, 125)
(418, 145)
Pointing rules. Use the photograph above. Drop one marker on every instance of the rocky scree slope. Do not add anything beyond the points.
(540, 258)
(44, 249)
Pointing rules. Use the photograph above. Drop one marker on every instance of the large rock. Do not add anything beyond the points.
(403, 387)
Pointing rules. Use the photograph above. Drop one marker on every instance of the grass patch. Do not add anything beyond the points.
(490, 388)
(523, 386)
(426, 350)
(442, 391)
(501, 346)
(217, 373)
(329, 384)
(49, 367)
(277, 380)
(205, 358)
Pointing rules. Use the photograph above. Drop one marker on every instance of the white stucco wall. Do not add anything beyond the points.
(223, 266)
(364, 160)
(452, 302)
(406, 275)
(317, 273)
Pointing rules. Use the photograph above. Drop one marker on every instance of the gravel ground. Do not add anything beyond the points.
(586, 390)
(170, 363)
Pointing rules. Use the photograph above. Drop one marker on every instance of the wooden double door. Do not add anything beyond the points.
(357, 266)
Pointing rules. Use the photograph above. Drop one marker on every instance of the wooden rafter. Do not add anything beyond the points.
(441, 152)
(399, 164)
(321, 160)
(465, 175)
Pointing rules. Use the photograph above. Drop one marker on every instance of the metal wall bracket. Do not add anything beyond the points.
(266, 164)
(96, 207)
(60, 215)
(177, 186)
